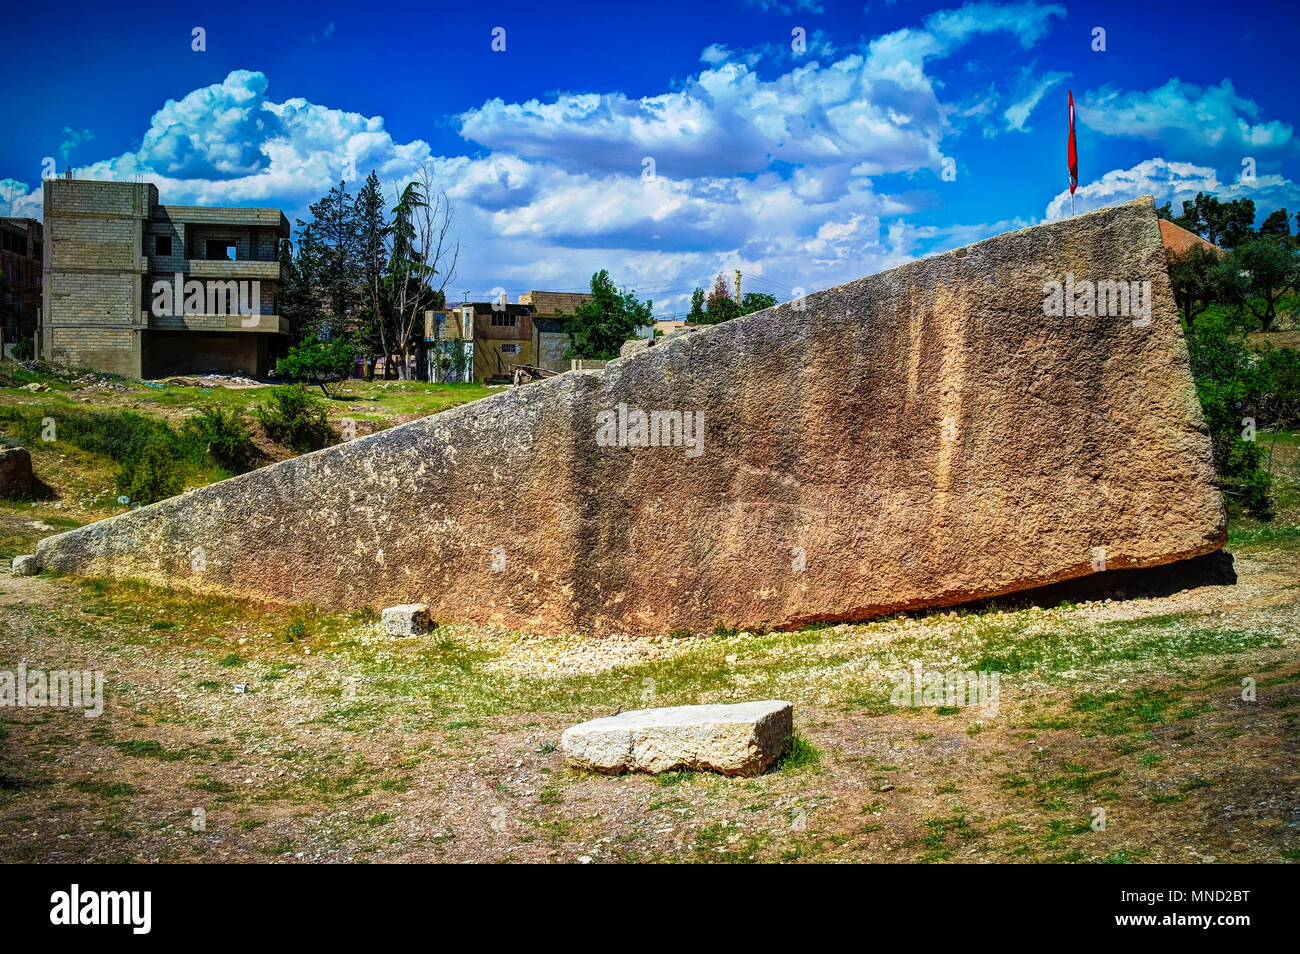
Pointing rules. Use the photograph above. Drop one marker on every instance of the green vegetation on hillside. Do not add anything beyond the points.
(1233, 307)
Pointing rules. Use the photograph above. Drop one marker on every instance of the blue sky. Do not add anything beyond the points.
(803, 168)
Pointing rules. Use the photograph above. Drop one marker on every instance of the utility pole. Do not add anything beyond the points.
(737, 286)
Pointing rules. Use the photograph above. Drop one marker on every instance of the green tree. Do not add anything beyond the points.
(1260, 271)
(292, 417)
(598, 328)
(422, 263)
(719, 305)
(296, 301)
(1277, 225)
(751, 302)
(319, 362)
(1225, 224)
(373, 234)
(1228, 384)
(223, 436)
(696, 314)
(336, 250)
(1195, 279)
(1279, 373)
(154, 476)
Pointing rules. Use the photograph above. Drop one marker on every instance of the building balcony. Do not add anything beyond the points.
(254, 324)
(226, 269)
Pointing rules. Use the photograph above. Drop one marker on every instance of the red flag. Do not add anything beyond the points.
(1073, 152)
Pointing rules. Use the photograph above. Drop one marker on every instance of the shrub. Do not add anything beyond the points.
(24, 350)
(155, 476)
(224, 437)
(152, 458)
(121, 437)
(319, 362)
(1279, 374)
(294, 418)
(1231, 387)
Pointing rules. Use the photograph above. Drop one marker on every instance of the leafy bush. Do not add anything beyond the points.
(122, 436)
(319, 362)
(224, 437)
(153, 459)
(154, 476)
(24, 350)
(1279, 377)
(1260, 270)
(1232, 388)
(294, 418)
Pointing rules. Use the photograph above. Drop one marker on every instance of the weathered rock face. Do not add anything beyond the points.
(15, 472)
(921, 437)
(742, 738)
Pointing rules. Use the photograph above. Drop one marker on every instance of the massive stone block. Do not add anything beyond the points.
(921, 437)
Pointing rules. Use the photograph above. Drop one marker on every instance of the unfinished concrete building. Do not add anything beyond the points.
(22, 244)
(143, 289)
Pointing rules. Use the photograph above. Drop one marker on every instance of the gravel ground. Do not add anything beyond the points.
(229, 735)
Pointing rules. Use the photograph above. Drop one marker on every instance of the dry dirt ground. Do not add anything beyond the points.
(238, 732)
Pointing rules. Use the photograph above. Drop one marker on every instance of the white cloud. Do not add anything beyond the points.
(1214, 120)
(17, 199)
(1171, 182)
(726, 121)
(229, 144)
(876, 106)
(72, 139)
(1030, 91)
(785, 167)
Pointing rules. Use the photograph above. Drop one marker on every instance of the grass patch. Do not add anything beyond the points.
(799, 754)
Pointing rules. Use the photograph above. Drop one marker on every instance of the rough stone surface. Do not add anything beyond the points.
(15, 472)
(25, 565)
(921, 437)
(409, 619)
(740, 739)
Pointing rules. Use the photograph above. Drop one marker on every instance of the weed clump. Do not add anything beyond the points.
(295, 418)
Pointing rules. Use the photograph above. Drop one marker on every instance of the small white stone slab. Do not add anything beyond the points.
(408, 619)
(738, 739)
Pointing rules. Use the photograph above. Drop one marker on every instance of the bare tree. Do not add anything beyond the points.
(423, 262)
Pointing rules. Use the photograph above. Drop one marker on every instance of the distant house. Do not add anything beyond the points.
(1179, 241)
(550, 341)
(143, 289)
(528, 332)
(503, 335)
(666, 326)
(22, 249)
(447, 351)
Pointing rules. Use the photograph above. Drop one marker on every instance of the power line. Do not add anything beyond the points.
(771, 284)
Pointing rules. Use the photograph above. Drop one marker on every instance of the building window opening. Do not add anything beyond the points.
(219, 249)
